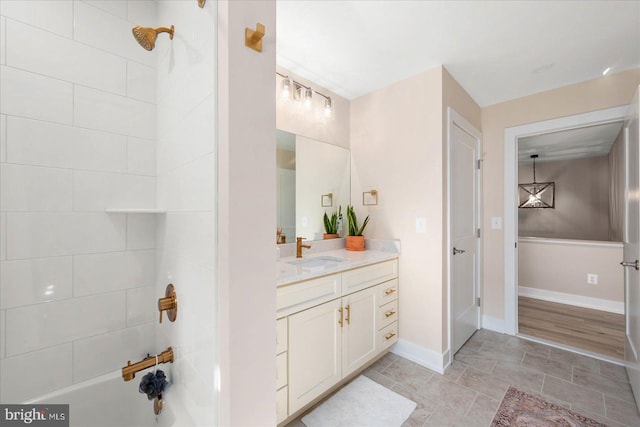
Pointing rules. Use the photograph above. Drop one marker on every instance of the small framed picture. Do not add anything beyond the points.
(327, 200)
(370, 198)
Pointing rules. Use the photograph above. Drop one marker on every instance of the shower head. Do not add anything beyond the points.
(146, 36)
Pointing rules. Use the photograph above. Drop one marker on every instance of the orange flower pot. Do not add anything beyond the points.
(355, 243)
(330, 236)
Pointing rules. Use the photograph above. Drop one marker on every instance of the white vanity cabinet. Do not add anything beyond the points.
(316, 349)
(331, 340)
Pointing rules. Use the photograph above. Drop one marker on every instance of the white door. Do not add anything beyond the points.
(632, 248)
(464, 182)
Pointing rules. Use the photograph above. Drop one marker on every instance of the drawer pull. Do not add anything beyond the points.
(348, 318)
(389, 336)
(389, 291)
(340, 321)
(389, 313)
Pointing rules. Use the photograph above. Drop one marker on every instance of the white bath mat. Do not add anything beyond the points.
(361, 403)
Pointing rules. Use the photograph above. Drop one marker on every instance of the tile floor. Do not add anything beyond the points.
(471, 389)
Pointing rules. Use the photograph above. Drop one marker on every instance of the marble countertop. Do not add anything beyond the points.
(289, 273)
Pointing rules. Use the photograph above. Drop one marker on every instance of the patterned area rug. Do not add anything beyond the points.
(522, 409)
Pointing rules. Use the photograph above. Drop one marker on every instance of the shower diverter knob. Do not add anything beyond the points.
(169, 303)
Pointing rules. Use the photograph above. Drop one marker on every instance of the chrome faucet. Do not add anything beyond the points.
(299, 246)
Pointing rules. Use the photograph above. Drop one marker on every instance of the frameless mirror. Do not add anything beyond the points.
(313, 177)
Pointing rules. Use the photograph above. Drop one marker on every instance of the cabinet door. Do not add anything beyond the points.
(314, 353)
(360, 332)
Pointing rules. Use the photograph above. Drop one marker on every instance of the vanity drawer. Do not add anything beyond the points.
(387, 336)
(282, 408)
(388, 292)
(360, 278)
(387, 314)
(281, 370)
(281, 335)
(301, 295)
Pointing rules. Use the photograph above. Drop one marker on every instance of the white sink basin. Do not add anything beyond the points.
(317, 262)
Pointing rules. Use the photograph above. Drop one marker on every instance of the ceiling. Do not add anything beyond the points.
(497, 50)
(590, 141)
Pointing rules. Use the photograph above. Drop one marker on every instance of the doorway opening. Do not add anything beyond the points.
(547, 249)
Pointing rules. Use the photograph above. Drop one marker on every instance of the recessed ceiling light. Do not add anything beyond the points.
(604, 73)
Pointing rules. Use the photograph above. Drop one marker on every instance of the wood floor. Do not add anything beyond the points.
(597, 331)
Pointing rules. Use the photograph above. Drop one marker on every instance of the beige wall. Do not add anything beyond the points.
(310, 121)
(606, 92)
(582, 200)
(398, 141)
(246, 213)
(543, 265)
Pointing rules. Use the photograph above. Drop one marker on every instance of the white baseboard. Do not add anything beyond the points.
(420, 355)
(577, 300)
(493, 324)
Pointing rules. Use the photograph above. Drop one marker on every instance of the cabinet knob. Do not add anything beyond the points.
(389, 291)
(389, 336)
(389, 313)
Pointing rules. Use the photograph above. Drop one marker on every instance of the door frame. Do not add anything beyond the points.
(511, 136)
(453, 117)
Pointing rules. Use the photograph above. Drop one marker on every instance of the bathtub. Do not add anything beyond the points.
(107, 401)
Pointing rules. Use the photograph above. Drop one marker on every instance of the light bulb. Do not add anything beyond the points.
(327, 107)
(286, 88)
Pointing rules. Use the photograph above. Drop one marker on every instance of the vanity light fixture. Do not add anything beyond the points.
(298, 91)
(536, 194)
(370, 198)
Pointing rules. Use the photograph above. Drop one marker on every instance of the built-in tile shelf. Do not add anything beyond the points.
(135, 210)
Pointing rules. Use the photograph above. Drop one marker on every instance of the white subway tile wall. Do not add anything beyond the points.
(3, 37)
(3, 237)
(141, 156)
(33, 142)
(77, 136)
(35, 281)
(3, 316)
(187, 173)
(53, 16)
(141, 231)
(3, 135)
(112, 349)
(56, 373)
(141, 306)
(35, 96)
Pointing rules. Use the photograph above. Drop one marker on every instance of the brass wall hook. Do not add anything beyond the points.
(169, 303)
(253, 38)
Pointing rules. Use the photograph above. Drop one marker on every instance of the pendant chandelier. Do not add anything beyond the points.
(536, 194)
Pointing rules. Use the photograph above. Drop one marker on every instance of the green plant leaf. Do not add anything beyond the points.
(353, 222)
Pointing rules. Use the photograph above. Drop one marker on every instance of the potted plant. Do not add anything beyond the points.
(355, 239)
(331, 224)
